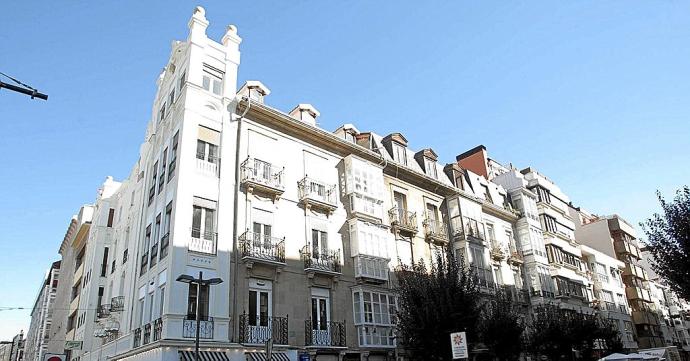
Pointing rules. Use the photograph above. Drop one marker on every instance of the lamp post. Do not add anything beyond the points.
(198, 282)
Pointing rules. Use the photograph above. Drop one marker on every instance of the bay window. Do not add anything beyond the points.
(374, 316)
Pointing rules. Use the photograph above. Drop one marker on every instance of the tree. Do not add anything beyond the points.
(433, 304)
(558, 333)
(668, 240)
(501, 327)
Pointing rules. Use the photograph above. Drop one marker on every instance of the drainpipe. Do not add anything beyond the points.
(234, 215)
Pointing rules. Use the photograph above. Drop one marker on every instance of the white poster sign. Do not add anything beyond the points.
(458, 343)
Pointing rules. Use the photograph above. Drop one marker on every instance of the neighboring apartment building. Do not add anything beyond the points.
(5, 350)
(42, 316)
(13, 350)
(615, 237)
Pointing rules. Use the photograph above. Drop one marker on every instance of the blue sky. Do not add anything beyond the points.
(594, 94)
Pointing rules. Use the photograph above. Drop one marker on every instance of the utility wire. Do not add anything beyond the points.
(24, 88)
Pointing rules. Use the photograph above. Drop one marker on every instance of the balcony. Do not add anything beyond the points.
(208, 165)
(137, 338)
(157, 329)
(262, 248)
(632, 270)
(103, 311)
(117, 304)
(205, 328)
(147, 334)
(435, 231)
(517, 295)
(645, 317)
(326, 334)
(468, 228)
(321, 262)
(637, 293)
(371, 268)
(608, 306)
(403, 220)
(626, 248)
(257, 175)
(256, 329)
(203, 242)
(317, 195)
(483, 276)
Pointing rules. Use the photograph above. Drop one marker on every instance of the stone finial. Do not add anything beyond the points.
(231, 36)
(198, 24)
(199, 12)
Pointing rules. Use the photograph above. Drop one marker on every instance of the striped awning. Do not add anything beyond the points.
(260, 356)
(204, 356)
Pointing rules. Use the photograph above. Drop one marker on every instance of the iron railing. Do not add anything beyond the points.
(435, 229)
(321, 260)
(261, 172)
(262, 247)
(137, 337)
(403, 219)
(255, 329)
(317, 190)
(205, 328)
(203, 242)
(328, 334)
(157, 329)
(117, 304)
(147, 334)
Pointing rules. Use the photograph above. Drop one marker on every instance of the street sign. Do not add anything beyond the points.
(73, 345)
(54, 357)
(458, 343)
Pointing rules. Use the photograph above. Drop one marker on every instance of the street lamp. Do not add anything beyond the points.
(199, 282)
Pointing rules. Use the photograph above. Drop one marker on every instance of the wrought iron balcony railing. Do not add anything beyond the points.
(260, 174)
(205, 328)
(137, 338)
(320, 260)
(117, 304)
(403, 220)
(324, 333)
(262, 247)
(436, 230)
(157, 329)
(203, 242)
(317, 194)
(256, 329)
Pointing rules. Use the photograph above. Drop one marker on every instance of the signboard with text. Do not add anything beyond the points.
(72, 345)
(458, 344)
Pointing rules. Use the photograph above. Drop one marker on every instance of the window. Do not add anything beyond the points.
(156, 235)
(350, 137)
(320, 310)
(161, 114)
(549, 223)
(543, 194)
(140, 305)
(400, 202)
(399, 153)
(363, 178)
(161, 179)
(212, 79)
(260, 303)
(152, 189)
(430, 167)
(487, 194)
(206, 151)
(161, 300)
(374, 315)
(111, 216)
(491, 233)
(183, 79)
(165, 238)
(150, 310)
(431, 213)
(203, 223)
(319, 243)
(173, 157)
(192, 300)
(171, 98)
(600, 270)
(607, 296)
(104, 264)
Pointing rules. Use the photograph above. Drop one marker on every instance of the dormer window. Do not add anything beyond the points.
(430, 167)
(427, 158)
(350, 136)
(254, 90)
(399, 154)
(212, 79)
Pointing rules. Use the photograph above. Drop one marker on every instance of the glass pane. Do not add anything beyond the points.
(314, 243)
(314, 314)
(252, 308)
(196, 222)
(263, 308)
(324, 243)
(323, 318)
(206, 82)
(216, 87)
(203, 302)
(209, 227)
(212, 153)
(200, 149)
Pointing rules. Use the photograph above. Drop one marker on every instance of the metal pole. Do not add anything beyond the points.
(198, 320)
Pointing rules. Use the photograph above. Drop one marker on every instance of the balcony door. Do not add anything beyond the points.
(319, 244)
(320, 317)
(260, 310)
(262, 234)
(432, 214)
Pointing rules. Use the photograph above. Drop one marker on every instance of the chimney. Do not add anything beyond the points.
(474, 160)
(254, 90)
(305, 113)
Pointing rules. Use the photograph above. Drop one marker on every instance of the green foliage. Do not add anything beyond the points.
(668, 239)
(556, 332)
(434, 303)
(501, 327)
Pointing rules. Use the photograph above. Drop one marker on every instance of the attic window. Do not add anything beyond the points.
(256, 94)
(487, 194)
(350, 136)
(430, 167)
(399, 153)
